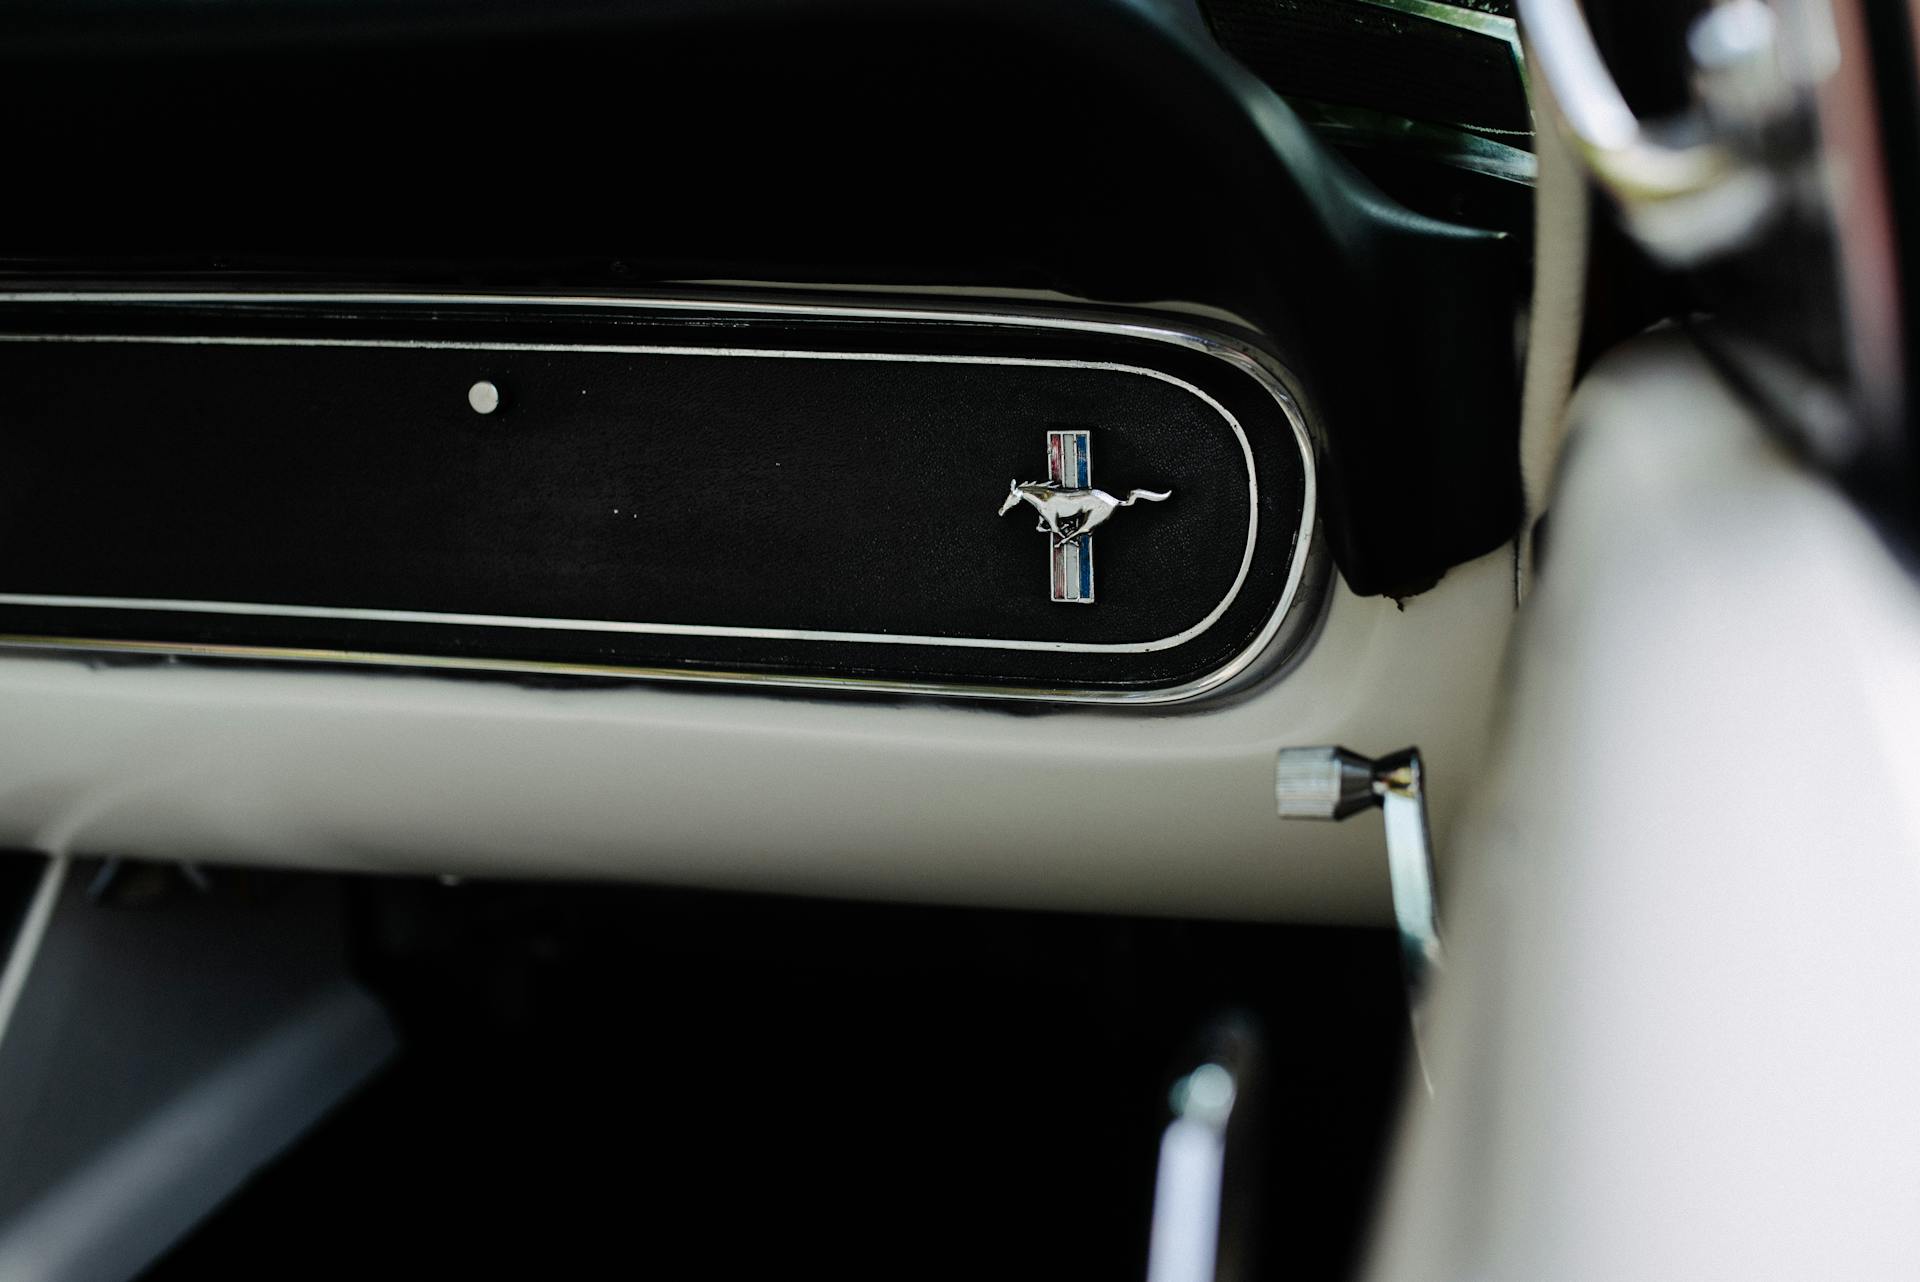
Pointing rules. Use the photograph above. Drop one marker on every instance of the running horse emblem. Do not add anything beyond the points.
(1070, 509)
(1073, 514)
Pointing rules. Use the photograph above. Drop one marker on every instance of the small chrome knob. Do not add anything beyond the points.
(1323, 783)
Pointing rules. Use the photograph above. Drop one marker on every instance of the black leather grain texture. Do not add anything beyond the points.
(835, 477)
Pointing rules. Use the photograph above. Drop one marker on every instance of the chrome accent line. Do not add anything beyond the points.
(272, 610)
(1246, 359)
(556, 667)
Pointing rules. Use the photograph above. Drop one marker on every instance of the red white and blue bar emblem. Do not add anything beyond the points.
(1070, 509)
(1070, 467)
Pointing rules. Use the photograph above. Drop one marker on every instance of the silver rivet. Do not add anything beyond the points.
(484, 397)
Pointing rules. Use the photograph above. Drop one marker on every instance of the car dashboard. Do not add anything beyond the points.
(1200, 639)
(741, 384)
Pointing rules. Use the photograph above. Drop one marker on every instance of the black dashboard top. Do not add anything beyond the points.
(1103, 149)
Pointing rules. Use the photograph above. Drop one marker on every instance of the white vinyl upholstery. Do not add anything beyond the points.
(1678, 1031)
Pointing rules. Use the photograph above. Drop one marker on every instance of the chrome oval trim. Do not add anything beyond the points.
(1243, 357)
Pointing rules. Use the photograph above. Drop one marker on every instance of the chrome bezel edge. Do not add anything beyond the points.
(1248, 359)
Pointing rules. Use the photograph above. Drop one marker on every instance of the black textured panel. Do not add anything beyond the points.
(1101, 149)
(696, 472)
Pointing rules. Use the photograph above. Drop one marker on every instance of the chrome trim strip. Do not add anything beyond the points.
(1242, 357)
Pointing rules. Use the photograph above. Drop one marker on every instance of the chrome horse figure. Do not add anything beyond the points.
(1069, 515)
